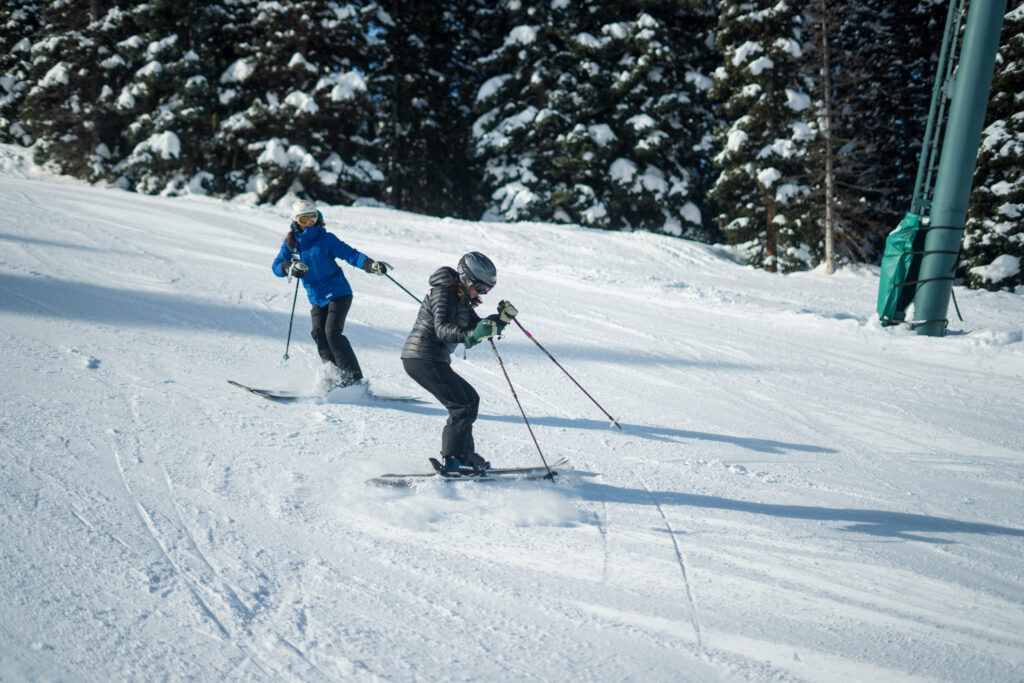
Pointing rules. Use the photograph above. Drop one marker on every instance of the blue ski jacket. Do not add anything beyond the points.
(318, 249)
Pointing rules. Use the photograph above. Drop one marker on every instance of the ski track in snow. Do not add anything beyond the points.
(796, 493)
(682, 564)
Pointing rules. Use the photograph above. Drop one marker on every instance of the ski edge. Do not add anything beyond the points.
(493, 474)
(285, 396)
(408, 481)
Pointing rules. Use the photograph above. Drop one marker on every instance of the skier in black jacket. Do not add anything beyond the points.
(445, 319)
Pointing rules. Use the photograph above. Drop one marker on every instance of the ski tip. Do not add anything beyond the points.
(396, 482)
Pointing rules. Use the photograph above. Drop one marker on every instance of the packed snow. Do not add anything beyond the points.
(796, 493)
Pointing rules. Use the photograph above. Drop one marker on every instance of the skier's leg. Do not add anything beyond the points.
(341, 349)
(318, 315)
(455, 394)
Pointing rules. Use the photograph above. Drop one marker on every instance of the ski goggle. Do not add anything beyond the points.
(481, 288)
(306, 219)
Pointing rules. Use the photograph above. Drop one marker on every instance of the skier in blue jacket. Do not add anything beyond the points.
(309, 253)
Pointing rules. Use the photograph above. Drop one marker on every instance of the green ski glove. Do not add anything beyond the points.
(489, 327)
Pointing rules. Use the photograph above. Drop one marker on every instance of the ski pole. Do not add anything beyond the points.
(291, 319)
(388, 276)
(550, 475)
(615, 423)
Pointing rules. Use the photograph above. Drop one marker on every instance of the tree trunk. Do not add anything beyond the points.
(771, 242)
(826, 73)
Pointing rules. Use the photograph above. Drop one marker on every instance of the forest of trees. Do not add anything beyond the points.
(754, 122)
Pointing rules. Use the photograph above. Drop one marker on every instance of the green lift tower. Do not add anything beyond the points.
(921, 254)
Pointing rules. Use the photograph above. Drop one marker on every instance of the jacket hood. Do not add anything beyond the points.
(443, 277)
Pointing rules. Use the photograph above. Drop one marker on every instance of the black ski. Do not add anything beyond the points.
(283, 396)
(493, 474)
(274, 394)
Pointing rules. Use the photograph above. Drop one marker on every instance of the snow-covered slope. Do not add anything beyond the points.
(796, 494)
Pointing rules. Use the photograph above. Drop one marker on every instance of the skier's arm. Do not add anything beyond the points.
(284, 258)
(443, 308)
(339, 249)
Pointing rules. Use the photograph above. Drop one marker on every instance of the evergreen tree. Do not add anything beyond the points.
(592, 114)
(233, 89)
(171, 98)
(515, 124)
(70, 106)
(768, 125)
(19, 23)
(301, 119)
(993, 249)
(659, 158)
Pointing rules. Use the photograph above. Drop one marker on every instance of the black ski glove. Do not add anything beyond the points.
(375, 267)
(295, 269)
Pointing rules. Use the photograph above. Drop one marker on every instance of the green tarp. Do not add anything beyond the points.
(899, 265)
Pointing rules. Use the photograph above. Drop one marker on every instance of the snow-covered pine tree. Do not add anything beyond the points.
(300, 118)
(154, 58)
(235, 88)
(659, 117)
(993, 248)
(515, 116)
(768, 123)
(821, 55)
(70, 106)
(592, 114)
(19, 23)
(180, 48)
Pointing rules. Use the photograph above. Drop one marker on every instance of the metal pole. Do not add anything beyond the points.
(291, 319)
(550, 475)
(388, 276)
(956, 166)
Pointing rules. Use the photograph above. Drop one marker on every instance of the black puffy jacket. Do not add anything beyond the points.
(441, 321)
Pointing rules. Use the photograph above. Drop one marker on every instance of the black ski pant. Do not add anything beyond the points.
(331, 344)
(456, 395)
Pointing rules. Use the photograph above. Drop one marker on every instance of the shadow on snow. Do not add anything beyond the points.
(882, 523)
(650, 432)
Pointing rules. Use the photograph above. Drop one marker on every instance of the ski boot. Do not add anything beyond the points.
(476, 463)
(450, 466)
(332, 377)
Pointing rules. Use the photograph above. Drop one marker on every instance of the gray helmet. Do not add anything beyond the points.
(478, 271)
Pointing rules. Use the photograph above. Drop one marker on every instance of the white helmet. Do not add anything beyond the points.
(303, 207)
